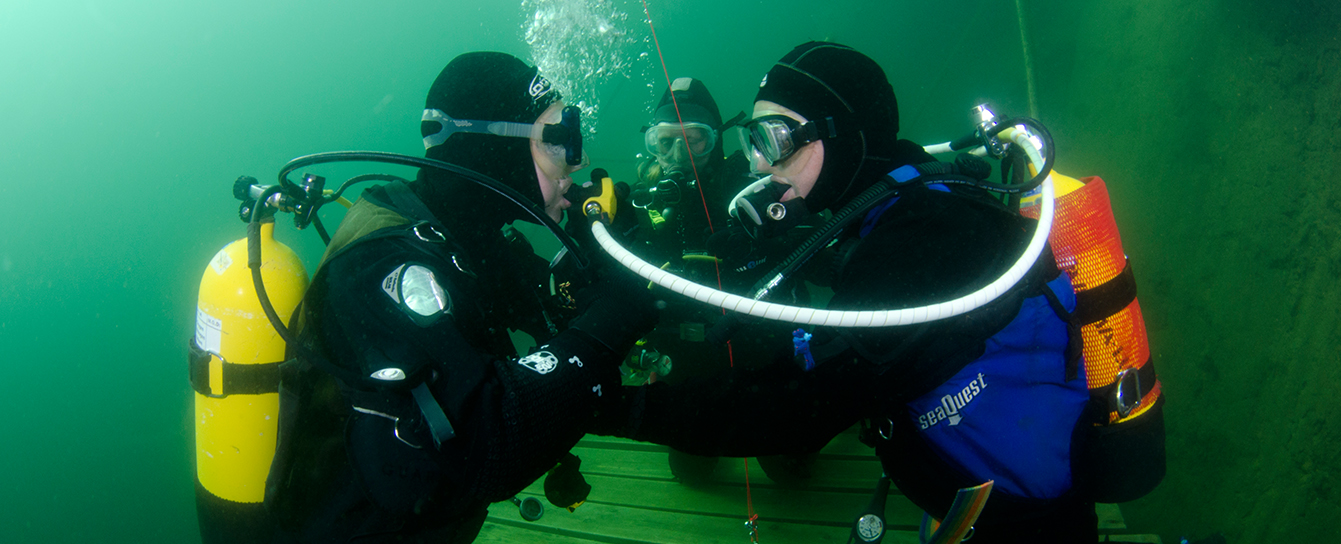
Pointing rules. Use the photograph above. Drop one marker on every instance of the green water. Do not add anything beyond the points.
(1216, 123)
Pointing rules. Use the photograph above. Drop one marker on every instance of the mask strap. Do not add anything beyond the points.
(732, 122)
(452, 126)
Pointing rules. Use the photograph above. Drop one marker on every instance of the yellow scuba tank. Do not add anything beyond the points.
(234, 364)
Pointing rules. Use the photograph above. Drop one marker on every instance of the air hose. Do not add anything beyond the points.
(259, 210)
(880, 318)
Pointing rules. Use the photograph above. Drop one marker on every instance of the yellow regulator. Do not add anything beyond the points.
(234, 369)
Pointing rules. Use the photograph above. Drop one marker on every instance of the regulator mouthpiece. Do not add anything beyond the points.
(763, 215)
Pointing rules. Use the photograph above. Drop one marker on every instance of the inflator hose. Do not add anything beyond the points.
(254, 226)
(535, 211)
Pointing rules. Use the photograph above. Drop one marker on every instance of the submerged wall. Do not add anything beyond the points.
(1217, 125)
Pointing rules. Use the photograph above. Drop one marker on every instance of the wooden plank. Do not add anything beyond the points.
(497, 532)
(1132, 539)
(855, 476)
(632, 484)
(842, 472)
(1110, 517)
(846, 443)
(612, 524)
(791, 505)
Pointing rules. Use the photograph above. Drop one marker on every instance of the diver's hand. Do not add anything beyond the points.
(564, 485)
(617, 309)
(737, 250)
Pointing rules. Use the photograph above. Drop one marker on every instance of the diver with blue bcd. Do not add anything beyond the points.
(956, 332)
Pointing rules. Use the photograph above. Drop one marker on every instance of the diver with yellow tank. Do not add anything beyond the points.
(403, 409)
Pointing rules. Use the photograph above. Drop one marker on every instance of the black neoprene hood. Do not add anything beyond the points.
(822, 79)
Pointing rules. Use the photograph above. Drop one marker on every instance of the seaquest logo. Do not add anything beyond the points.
(952, 404)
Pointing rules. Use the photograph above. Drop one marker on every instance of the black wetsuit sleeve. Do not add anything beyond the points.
(513, 418)
(777, 409)
(534, 414)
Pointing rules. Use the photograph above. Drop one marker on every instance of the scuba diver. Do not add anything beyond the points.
(994, 395)
(686, 181)
(683, 189)
(411, 411)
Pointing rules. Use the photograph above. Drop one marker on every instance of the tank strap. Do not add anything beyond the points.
(238, 379)
(1107, 298)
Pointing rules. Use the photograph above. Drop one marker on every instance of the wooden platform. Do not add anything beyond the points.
(635, 500)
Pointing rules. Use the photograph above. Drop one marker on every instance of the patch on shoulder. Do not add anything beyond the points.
(414, 288)
(542, 362)
(391, 283)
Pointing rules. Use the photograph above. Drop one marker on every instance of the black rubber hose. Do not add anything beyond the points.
(321, 229)
(254, 263)
(726, 327)
(965, 142)
(822, 235)
(360, 179)
(509, 193)
(1049, 151)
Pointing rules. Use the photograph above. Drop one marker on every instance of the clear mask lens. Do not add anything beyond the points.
(553, 160)
(768, 140)
(665, 139)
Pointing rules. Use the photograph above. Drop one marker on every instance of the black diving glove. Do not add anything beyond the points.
(733, 246)
(564, 485)
(617, 309)
(741, 253)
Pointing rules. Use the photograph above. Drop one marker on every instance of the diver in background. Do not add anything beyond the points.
(686, 181)
(415, 412)
(825, 128)
(682, 190)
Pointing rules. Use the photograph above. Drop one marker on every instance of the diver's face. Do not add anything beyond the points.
(553, 191)
(674, 144)
(555, 177)
(799, 171)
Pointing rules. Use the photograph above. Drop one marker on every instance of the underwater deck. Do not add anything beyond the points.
(635, 500)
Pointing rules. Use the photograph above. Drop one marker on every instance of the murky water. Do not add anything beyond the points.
(1216, 123)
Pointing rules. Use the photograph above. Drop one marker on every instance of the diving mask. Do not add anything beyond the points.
(774, 138)
(558, 145)
(664, 139)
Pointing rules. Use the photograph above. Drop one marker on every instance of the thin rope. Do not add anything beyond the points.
(684, 136)
(1028, 61)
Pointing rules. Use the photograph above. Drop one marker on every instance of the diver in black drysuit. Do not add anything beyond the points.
(409, 411)
(680, 218)
(1013, 407)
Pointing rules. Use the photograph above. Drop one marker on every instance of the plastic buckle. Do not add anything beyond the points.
(1125, 399)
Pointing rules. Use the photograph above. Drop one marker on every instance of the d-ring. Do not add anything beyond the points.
(395, 424)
